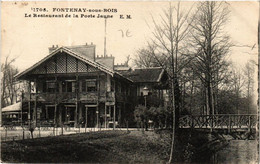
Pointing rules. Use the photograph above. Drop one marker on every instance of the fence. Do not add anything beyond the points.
(12, 133)
(219, 121)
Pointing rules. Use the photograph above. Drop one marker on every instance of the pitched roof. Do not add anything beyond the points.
(141, 75)
(84, 50)
(13, 108)
(106, 61)
(72, 53)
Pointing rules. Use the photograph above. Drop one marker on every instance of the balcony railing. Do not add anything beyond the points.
(69, 97)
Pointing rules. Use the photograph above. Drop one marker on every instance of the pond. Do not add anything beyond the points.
(237, 152)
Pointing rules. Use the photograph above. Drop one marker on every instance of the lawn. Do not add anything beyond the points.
(92, 147)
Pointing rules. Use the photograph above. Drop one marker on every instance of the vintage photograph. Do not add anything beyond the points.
(129, 82)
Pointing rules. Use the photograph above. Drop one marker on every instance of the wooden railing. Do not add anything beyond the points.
(219, 121)
(70, 97)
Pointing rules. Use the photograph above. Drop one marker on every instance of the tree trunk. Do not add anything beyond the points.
(173, 122)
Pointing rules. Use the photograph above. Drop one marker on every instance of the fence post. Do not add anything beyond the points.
(229, 123)
(23, 133)
(62, 129)
(127, 125)
(192, 122)
(249, 123)
(5, 133)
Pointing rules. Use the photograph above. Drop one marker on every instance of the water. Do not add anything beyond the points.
(238, 152)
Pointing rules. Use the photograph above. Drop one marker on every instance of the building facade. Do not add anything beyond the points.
(72, 86)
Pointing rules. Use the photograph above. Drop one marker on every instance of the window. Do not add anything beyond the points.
(68, 86)
(89, 85)
(51, 86)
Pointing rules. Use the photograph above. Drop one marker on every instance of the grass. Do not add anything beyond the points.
(110, 147)
(93, 147)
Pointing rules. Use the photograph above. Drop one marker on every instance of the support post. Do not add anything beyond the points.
(105, 116)
(22, 109)
(86, 123)
(114, 118)
(97, 117)
(76, 110)
(229, 123)
(249, 123)
(35, 105)
(29, 105)
(55, 111)
(55, 115)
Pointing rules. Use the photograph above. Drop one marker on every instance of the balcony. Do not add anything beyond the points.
(70, 97)
(50, 97)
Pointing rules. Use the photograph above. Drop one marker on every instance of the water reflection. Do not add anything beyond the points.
(237, 152)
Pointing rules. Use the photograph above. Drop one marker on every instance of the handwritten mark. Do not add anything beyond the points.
(127, 33)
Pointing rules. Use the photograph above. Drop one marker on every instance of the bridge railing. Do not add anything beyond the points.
(219, 121)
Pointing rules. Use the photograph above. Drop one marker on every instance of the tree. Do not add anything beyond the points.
(211, 46)
(10, 89)
(249, 80)
(145, 57)
(168, 48)
(238, 84)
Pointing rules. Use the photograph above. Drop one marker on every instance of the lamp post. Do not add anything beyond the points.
(145, 93)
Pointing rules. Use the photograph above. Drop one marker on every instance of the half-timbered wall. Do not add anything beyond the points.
(63, 63)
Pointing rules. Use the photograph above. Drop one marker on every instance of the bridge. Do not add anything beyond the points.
(228, 122)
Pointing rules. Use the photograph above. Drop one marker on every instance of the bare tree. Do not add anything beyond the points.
(9, 85)
(238, 83)
(211, 45)
(145, 57)
(167, 48)
(249, 80)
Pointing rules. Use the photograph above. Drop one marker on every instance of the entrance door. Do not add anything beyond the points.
(49, 115)
(70, 114)
(91, 116)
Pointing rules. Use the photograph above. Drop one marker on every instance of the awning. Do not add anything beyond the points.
(13, 108)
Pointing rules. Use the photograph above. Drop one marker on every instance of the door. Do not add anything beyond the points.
(91, 116)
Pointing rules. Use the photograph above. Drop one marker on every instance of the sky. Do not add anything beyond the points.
(28, 38)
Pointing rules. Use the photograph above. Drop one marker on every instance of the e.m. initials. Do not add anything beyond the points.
(125, 17)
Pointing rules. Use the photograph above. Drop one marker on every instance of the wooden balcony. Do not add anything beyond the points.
(70, 97)
(50, 97)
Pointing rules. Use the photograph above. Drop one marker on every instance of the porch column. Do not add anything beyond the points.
(55, 115)
(76, 115)
(76, 110)
(55, 111)
(80, 113)
(86, 123)
(97, 113)
(35, 105)
(66, 114)
(119, 114)
(29, 105)
(105, 115)
(60, 115)
(114, 118)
